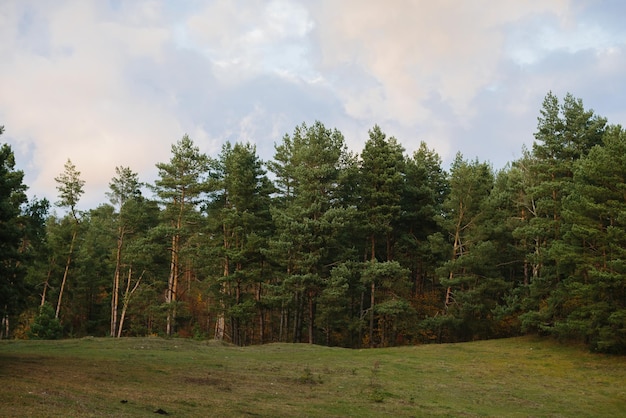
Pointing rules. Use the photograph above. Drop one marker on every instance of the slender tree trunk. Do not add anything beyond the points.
(67, 268)
(261, 315)
(116, 282)
(372, 293)
(457, 251)
(46, 284)
(127, 295)
(4, 331)
(311, 319)
(372, 302)
(170, 294)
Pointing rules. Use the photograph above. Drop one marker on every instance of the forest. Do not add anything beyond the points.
(325, 246)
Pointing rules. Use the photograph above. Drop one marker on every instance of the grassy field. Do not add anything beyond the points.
(147, 376)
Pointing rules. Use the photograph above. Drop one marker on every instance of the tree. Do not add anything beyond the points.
(93, 266)
(70, 188)
(307, 167)
(425, 188)
(123, 188)
(381, 185)
(239, 213)
(12, 271)
(589, 304)
(142, 256)
(181, 187)
(566, 132)
(45, 326)
(471, 255)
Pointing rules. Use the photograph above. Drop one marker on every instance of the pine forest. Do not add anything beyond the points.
(327, 246)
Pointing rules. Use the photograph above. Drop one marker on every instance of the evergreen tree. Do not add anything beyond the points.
(70, 188)
(424, 191)
(12, 271)
(123, 188)
(307, 167)
(565, 133)
(239, 214)
(469, 274)
(381, 179)
(181, 188)
(590, 303)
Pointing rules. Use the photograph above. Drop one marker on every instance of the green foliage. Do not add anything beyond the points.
(45, 326)
(70, 187)
(377, 248)
(13, 291)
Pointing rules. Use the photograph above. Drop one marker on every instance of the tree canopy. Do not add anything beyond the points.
(323, 245)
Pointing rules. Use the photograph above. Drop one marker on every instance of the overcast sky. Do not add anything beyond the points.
(115, 82)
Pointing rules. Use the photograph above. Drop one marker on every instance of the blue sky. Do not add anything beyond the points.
(116, 83)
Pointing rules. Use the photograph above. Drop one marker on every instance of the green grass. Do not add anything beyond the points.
(517, 377)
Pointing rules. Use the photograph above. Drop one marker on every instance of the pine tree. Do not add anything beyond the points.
(565, 133)
(124, 188)
(307, 167)
(70, 187)
(380, 192)
(181, 188)
(239, 214)
(12, 271)
(469, 272)
(590, 303)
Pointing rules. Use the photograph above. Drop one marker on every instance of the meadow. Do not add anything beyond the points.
(517, 377)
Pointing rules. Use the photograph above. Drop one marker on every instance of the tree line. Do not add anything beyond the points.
(373, 249)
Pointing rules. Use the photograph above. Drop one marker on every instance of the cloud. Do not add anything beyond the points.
(246, 38)
(66, 92)
(116, 83)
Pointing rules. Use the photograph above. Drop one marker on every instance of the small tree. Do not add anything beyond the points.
(45, 326)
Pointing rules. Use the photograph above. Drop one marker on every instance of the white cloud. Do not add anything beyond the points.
(245, 39)
(116, 83)
(73, 99)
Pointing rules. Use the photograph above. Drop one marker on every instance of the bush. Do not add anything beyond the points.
(45, 326)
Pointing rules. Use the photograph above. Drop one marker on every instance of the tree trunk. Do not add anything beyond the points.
(127, 295)
(372, 300)
(372, 292)
(116, 282)
(311, 319)
(67, 268)
(170, 293)
(46, 284)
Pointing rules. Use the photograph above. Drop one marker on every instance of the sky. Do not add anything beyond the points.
(109, 83)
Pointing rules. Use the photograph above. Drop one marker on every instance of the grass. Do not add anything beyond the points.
(517, 377)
